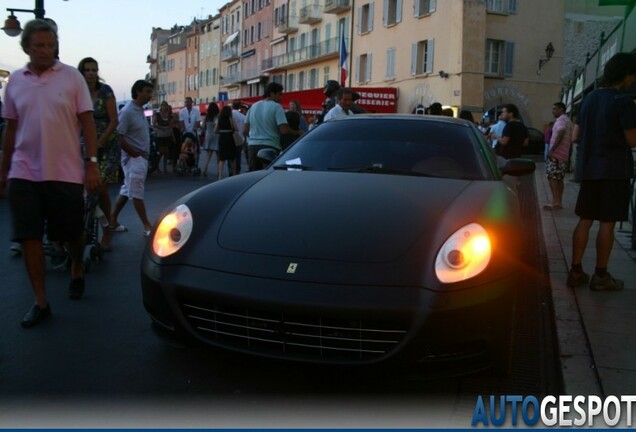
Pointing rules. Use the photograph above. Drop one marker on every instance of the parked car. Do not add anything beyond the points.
(536, 143)
(372, 239)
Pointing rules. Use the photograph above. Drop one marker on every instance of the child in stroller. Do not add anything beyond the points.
(187, 159)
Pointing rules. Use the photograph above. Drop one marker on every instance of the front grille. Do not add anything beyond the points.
(293, 336)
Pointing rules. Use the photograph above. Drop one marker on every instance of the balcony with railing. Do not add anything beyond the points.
(231, 80)
(150, 59)
(230, 53)
(288, 25)
(310, 14)
(319, 51)
(337, 6)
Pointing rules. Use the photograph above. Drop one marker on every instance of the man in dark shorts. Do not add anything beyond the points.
(44, 172)
(607, 128)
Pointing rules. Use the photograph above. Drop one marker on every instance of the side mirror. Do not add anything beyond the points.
(517, 167)
(266, 155)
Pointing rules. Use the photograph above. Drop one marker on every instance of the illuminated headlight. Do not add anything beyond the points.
(172, 232)
(464, 255)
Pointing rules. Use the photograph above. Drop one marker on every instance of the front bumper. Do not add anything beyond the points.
(320, 323)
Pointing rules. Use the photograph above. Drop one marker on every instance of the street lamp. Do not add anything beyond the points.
(549, 52)
(12, 26)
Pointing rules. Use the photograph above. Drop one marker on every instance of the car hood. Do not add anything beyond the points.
(353, 217)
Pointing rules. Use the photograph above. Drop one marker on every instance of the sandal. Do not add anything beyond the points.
(118, 228)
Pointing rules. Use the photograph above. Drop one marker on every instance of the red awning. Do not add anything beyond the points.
(372, 100)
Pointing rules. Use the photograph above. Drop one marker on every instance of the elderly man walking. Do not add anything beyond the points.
(47, 105)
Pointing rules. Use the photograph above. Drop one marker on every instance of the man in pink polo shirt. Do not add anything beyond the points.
(558, 154)
(47, 104)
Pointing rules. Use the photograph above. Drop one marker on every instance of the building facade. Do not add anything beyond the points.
(466, 54)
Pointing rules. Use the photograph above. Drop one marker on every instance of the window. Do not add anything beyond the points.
(390, 63)
(424, 7)
(392, 12)
(301, 80)
(363, 69)
(290, 82)
(501, 6)
(325, 73)
(365, 18)
(499, 57)
(313, 78)
(422, 57)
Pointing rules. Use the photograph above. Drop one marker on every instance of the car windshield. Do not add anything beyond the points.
(389, 146)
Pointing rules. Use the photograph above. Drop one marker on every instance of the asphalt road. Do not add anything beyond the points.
(96, 363)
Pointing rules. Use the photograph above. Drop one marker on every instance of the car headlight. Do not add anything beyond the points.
(173, 231)
(465, 254)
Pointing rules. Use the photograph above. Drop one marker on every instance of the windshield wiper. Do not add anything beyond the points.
(381, 170)
(292, 166)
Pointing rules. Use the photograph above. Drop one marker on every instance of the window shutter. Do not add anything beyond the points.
(398, 11)
(509, 58)
(416, 8)
(360, 20)
(413, 59)
(432, 6)
(385, 13)
(370, 24)
(369, 67)
(512, 6)
(358, 69)
(430, 48)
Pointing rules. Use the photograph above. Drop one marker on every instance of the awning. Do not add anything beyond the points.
(231, 38)
(372, 99)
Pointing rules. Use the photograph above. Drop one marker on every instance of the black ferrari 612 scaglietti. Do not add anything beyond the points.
(372, 239)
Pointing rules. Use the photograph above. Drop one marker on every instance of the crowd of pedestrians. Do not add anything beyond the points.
(45, 176)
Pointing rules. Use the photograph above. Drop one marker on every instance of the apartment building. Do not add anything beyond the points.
(171, 68)
(192, 61)
(256, 46)
(231, 26)
(209, 59)
(466, 54)
(158, 37)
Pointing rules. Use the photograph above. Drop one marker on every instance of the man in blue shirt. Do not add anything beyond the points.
(607, 127)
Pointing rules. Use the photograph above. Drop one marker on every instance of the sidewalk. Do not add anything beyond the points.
(595, 330)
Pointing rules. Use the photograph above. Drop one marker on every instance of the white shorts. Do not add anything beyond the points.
(135, 171)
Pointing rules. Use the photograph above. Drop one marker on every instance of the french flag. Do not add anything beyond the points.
(343, 60)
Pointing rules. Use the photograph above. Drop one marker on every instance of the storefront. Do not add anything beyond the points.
(372, 100)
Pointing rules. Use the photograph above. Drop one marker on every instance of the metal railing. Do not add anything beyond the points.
(324, 48)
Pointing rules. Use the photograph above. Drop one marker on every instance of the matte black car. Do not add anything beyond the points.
(372, 239)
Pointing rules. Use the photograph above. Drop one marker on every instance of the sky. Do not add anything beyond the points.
(114, 32)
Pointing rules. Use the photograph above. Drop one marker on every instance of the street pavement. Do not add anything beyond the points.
(595, 330)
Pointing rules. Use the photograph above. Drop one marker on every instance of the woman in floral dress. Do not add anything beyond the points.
(109, 152)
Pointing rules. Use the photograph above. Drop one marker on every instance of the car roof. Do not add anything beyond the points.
(403, 117)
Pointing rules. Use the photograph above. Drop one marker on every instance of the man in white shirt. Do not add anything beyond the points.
(496, 130)
(343, 107)
(189, 120)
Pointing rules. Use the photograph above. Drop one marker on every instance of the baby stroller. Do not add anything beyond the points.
(187, 164)
(93, 250)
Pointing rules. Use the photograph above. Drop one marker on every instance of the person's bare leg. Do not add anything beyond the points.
(140, 207)
(579, 240)
(36, 267)
(76, 251)
(120, 202)
(604, 243)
